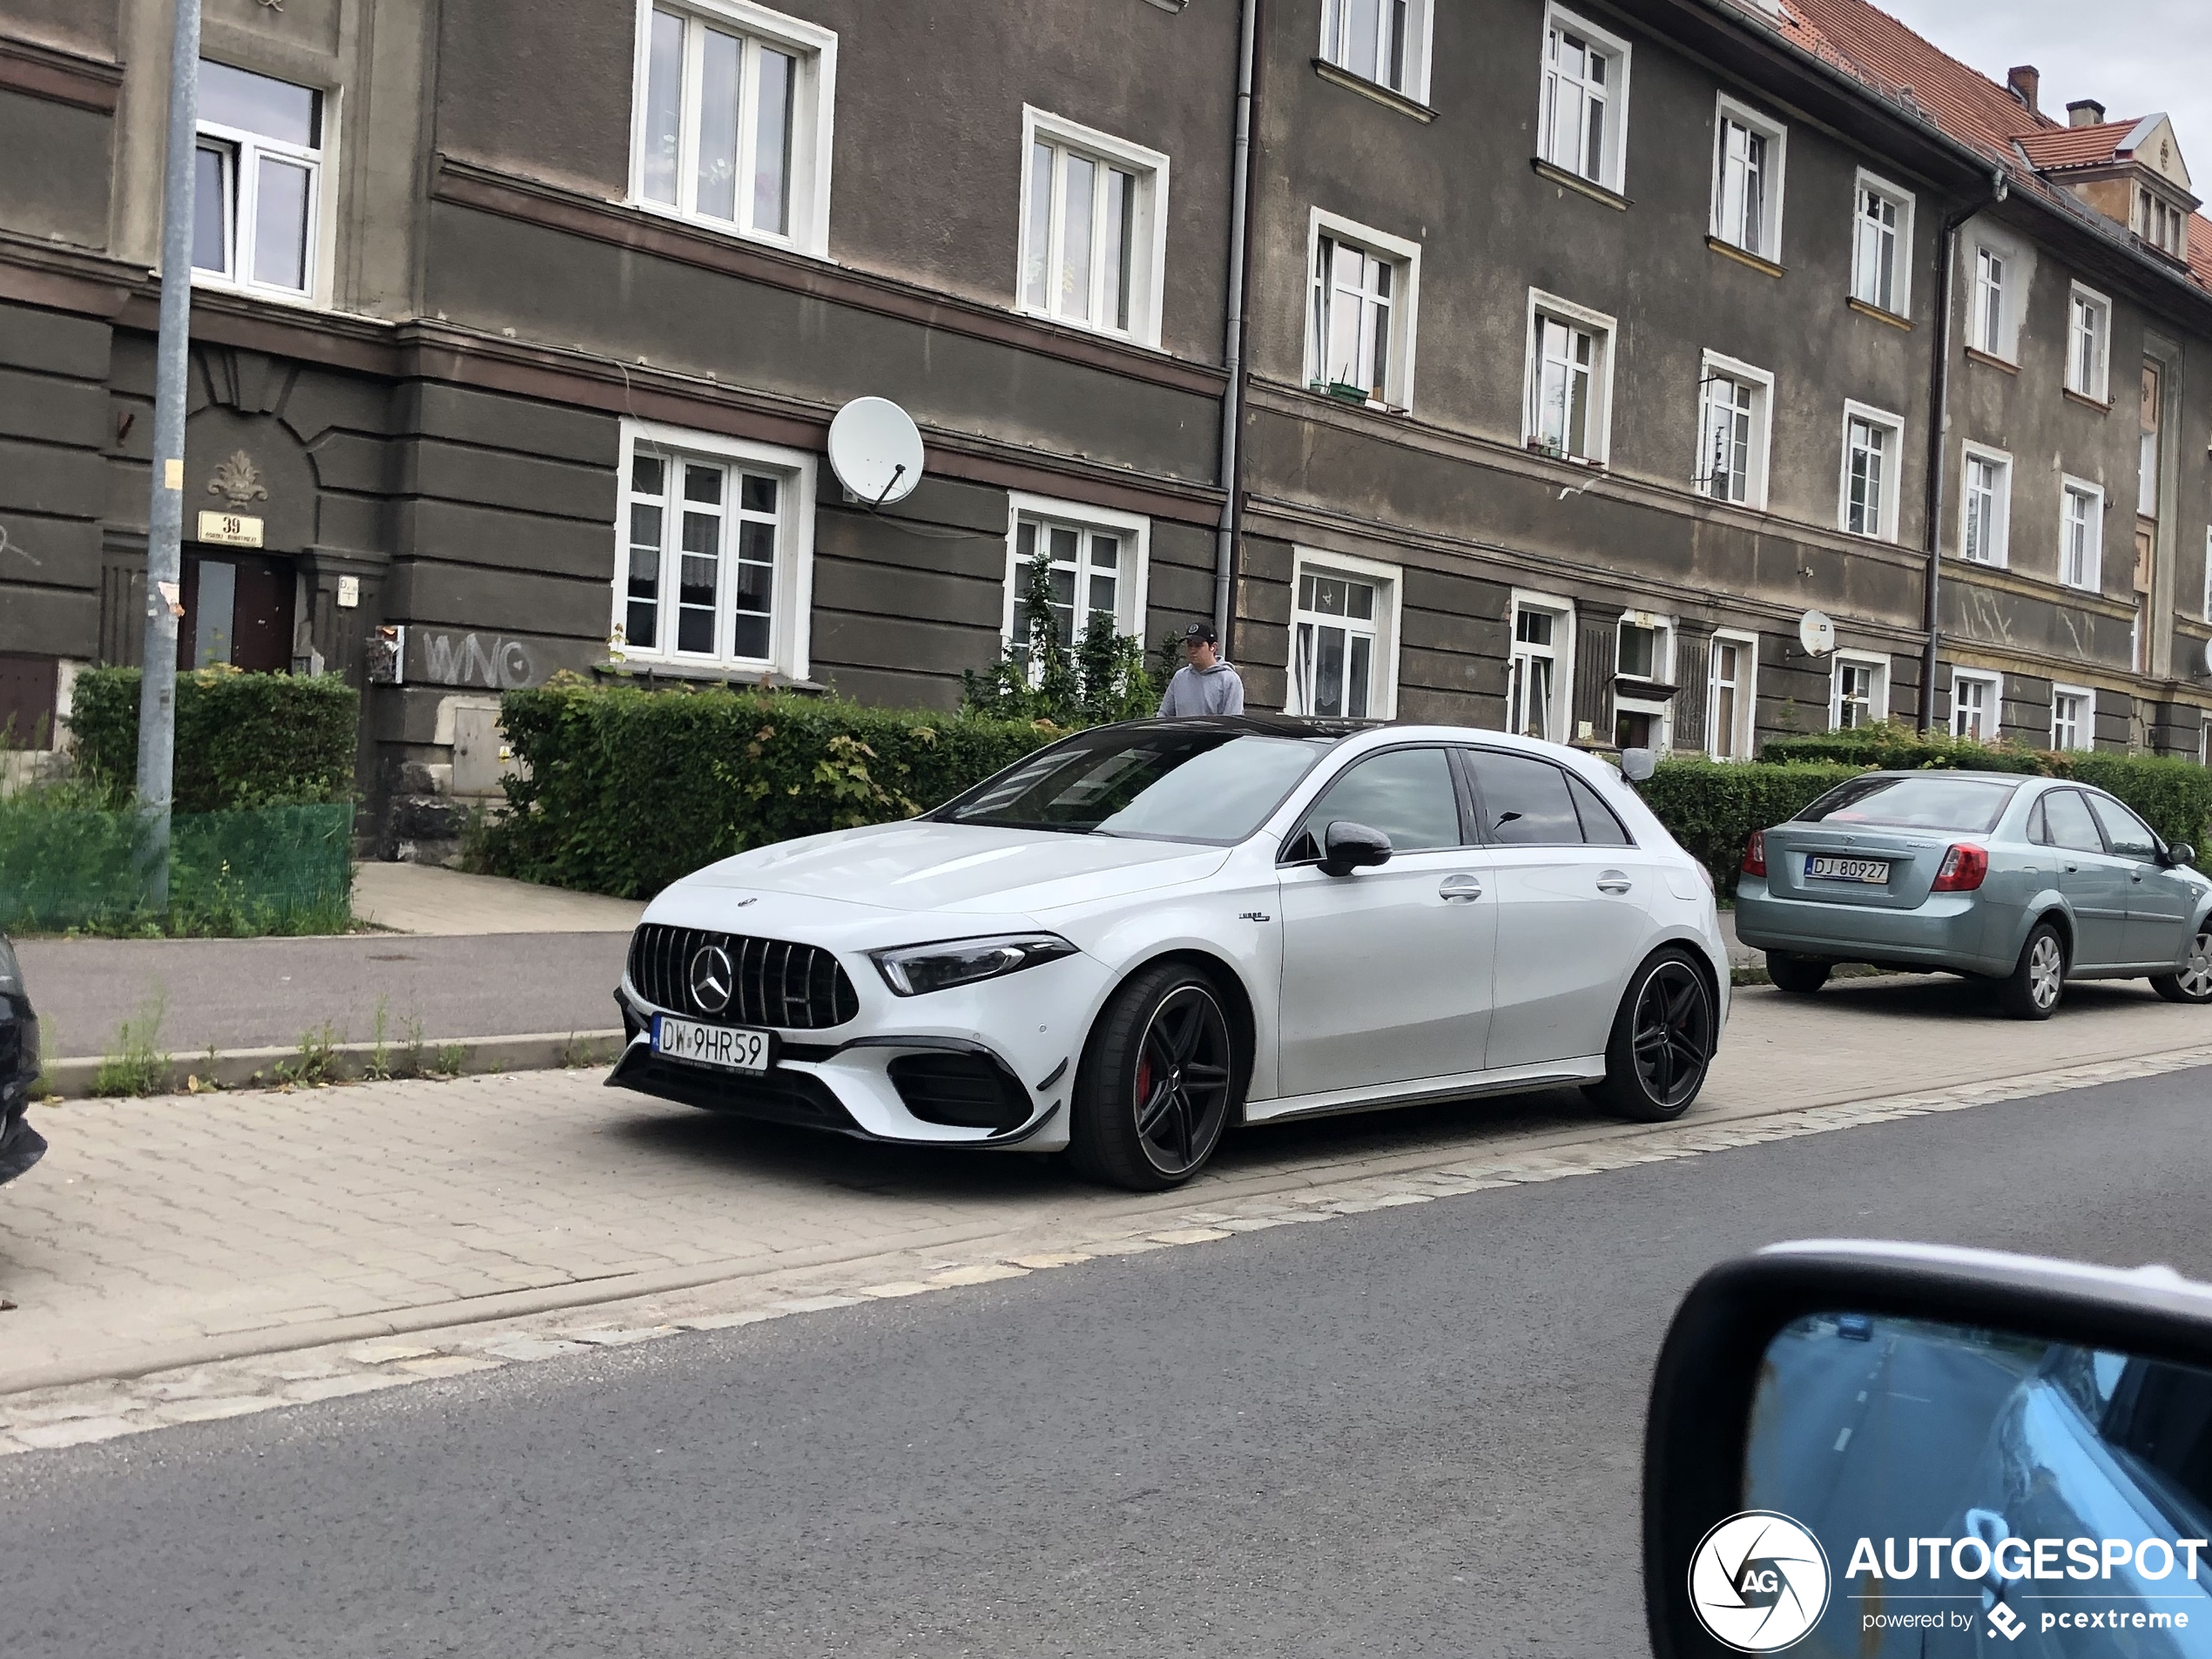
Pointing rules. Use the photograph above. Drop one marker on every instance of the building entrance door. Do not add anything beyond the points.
(238, 609)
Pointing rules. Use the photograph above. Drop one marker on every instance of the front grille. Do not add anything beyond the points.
(791, 988)
(965, 1090)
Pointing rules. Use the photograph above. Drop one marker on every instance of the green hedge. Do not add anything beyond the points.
(1712, 806)
(1900, 748)
(624, 790)
(243, 740)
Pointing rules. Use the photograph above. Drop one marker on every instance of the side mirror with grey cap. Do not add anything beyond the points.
(2180, 854)
(1859, 1449)
(1346, 846)
(1638, 764)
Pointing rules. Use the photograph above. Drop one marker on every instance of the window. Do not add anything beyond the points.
(715, 562)
(1734, 400)
(1527, 802)
(1985, 505)
(2073, 717)
(1383, 41)
(2127, 834)
(1359, 337)
(2067, 822)
(1406, 793)
(1583, 121)
(2160, 223)
(1881, 270)
(1570, 380)
(1976, 703)
(732, 123)
(1861, 694)
(1747, 180)
(1344, 630)
(2081, 535)
(1539, 674)
(1732, 699)
(1642, 687)
(1098, 559)
(1872, 442)
(1990, 333)
(2207, 573)
(2089, 339)
(257, 182)
(1093, 214)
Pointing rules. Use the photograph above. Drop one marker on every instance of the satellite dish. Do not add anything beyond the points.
(1816, 633)
(875, 451)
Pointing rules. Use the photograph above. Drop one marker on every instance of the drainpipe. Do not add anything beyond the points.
(1232, 351)
(1939, 422)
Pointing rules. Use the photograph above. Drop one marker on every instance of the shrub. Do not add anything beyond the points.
(623, 790)
(1712, 806)
(2173, 796)
(1900, 748)
(243, 740)
(1101, 679)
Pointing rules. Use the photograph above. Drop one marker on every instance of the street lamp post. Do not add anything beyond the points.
(166, 518)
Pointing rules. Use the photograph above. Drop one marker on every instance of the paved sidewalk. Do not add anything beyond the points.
(168, 1232)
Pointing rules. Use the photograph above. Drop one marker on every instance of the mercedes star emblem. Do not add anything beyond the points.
(712, 979)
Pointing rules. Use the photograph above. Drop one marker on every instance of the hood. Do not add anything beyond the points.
(923, 866)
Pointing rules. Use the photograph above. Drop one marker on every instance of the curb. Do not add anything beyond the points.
(76, 1076)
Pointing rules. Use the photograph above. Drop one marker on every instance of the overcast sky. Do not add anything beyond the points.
(2133, 58)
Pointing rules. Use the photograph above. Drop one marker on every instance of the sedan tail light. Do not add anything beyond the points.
(1754, 854)
(1962, 868)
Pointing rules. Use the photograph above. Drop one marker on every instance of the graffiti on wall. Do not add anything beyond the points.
(467, 659)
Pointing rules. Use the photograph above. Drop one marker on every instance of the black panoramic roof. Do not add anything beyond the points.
(1263, 725)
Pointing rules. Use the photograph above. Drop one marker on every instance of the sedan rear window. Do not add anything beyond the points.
(1929, 800)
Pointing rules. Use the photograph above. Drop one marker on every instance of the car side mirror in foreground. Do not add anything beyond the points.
(1638, 764)
(1861, 1449)
(2180, 854)
(1347, 846)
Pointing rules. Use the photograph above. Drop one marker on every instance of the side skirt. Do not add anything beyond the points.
(1470, 1085)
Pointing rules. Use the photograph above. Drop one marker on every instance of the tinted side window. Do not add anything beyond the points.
(1525, 802)
(2130, 837)
(1405, 793)
(2065, 816)
(1601, 826)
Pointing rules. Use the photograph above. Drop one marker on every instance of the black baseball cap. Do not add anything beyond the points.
(1198, 631)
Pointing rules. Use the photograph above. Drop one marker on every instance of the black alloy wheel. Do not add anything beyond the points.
(1662, 1044)
(1158, 1081)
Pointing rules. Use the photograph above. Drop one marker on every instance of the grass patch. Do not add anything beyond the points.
(138, 1065)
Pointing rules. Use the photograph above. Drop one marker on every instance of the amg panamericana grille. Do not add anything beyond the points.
(791, 988)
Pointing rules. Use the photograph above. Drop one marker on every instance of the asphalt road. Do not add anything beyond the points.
(268, 992)
(1415, 1431)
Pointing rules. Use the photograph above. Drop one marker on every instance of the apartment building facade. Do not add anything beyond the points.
(1585, 350)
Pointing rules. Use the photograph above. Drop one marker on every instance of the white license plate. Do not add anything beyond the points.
(1873, 872)
(732, 1048)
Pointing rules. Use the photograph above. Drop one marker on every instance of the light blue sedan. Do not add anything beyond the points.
(2026, 881)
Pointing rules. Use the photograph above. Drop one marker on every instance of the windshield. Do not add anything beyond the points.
(1925, 800)
(1203, 785)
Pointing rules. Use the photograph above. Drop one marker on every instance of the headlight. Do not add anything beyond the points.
(913, 970)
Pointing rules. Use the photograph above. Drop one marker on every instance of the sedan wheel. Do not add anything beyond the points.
(1158, 1081)
(1661, 1043)
(2032, 990)
(2194, 982)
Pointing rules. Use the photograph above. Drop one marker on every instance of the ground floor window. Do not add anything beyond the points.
(1343, 637)
(1097, 560)
(1643, 684)
(716, 559)
(1861, 694)
(1733, 697)
(2072, 717)
(1539, 676)
(1975, 703)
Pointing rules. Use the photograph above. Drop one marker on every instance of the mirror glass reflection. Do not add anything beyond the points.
(1979, 1491)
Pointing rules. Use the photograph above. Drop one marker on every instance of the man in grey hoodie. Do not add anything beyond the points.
(1205, 684)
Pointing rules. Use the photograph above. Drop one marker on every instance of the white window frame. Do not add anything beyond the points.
(2070, 487)
(246, 148)
(812, 122)
(1149, 255)
(1746, 731)
(1886, 530)
(1991, 275)
(1613, 158)
(2207, 573)
(792, 606)
(1761, 437)
(2086, 732)
(2000, 518)
(1865, 185)
(2098, 383)
(1420, 29)
(1878, 689)
(1397, 385)
(1776, 135)
(1662, 673)
(1389, 582)
(1131, 597)
(1562, 612)
(1549, 306)
(1995, 681)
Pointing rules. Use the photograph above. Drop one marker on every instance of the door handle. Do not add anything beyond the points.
(1460, 889)
(2134, 875)
(2073, 869)
(1613, 882)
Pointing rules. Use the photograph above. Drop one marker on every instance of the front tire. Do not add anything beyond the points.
(1157, 1084)
(1662, 1044)
(2032, 990)
(2194, 982)
(1798, 975)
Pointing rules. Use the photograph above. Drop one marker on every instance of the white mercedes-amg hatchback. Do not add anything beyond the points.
(1145, 933)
